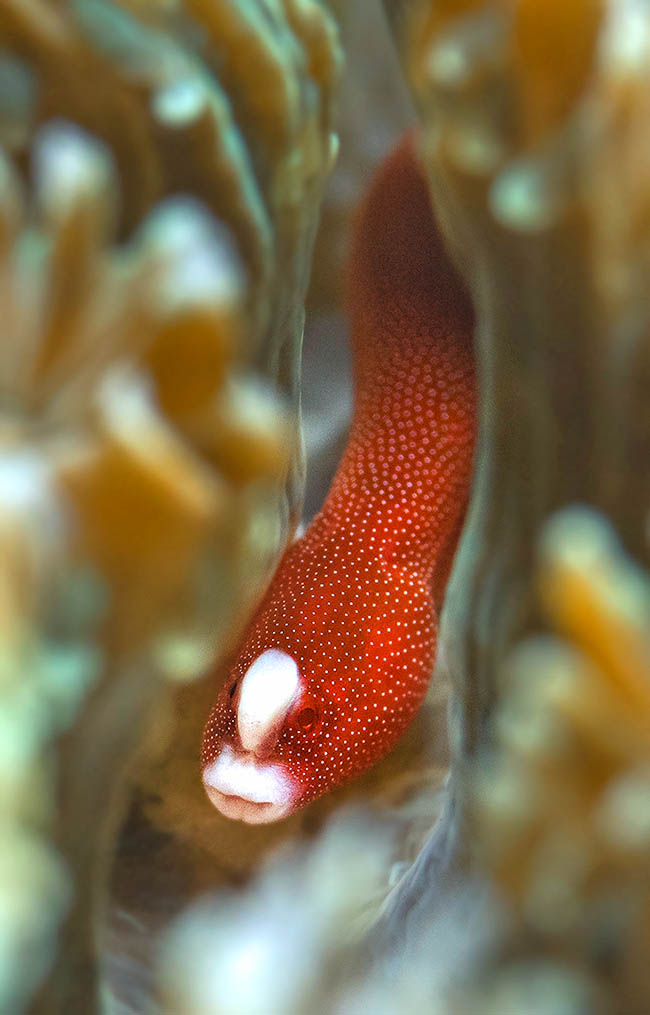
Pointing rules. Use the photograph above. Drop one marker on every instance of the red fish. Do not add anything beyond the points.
(338, 657)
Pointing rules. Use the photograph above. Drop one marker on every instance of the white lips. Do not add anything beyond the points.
(245, 789)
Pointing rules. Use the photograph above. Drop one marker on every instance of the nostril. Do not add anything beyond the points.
(258, 749)
(263, 749)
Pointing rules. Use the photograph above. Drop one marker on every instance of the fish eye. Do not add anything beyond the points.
(233, 688)
(307, 718)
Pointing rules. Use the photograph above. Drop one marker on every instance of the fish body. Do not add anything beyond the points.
(339, 654)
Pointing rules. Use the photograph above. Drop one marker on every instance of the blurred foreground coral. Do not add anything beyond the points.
(162, 167)
(564, 809)
(536, 148)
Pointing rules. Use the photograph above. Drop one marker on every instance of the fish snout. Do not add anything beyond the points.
(266, 694)
(244, 788)
(242, 781)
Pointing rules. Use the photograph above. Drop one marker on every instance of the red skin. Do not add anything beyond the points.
(356, 600)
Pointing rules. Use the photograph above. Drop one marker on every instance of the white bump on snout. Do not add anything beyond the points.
(267, 690)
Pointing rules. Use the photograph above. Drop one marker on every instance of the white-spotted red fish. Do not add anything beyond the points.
(338, 656)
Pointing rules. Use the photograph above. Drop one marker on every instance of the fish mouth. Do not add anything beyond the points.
(243, 788)
(238, 808)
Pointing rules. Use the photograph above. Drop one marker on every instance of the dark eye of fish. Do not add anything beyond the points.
(306, 719)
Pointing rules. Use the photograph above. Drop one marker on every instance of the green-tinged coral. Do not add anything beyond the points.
(155, 233)
(522, 137)
(564, 812)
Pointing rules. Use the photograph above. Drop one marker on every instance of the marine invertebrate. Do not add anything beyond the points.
(341, 650)
(87, 458)
(533, 161)
(149, 456)
(262, 951)
(563, 809)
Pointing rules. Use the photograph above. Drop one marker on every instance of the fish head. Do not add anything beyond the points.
(306, 707)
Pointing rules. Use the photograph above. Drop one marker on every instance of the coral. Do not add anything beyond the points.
(537, 155)
(88, 461)
(564, 810)
(294, 928)
(156, 219)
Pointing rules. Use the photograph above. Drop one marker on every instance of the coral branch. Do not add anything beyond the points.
(155, 237)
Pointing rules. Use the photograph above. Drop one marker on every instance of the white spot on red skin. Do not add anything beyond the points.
(354, 602)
